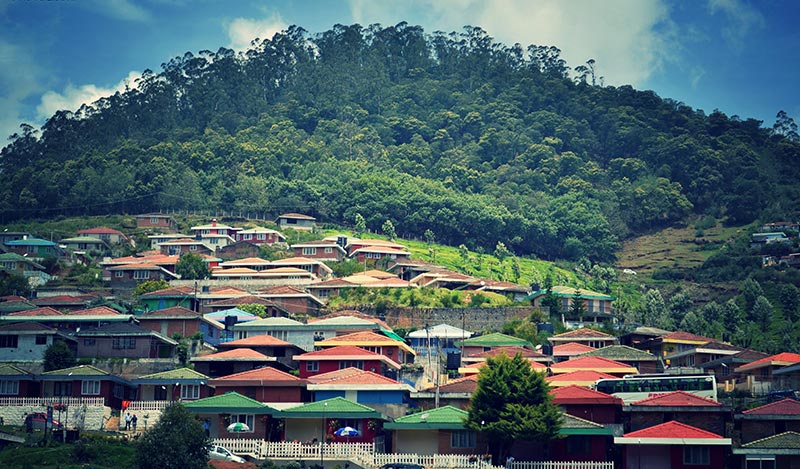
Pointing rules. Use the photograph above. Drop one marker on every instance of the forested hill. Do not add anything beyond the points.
(477, 141)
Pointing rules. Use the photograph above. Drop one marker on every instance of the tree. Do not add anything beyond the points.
(58, 356)
(785, 126)
(790, 301)
(150, 286)
(361, 224)
(512, 402)
(761, 313)
(15, 285)
(252, 308)
(577, 308)
(388, 230)
(750, 291)
(430, 237)
(192, 267)
(176, 441)
(655, 310)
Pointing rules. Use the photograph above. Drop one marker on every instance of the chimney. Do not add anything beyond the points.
(214, 222)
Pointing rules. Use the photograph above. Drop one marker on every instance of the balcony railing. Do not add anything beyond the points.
(142, 406)
(45, 401)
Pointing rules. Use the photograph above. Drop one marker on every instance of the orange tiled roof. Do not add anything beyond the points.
(580, 376)
(583, 333)
(360, 377)
(174, 311)
(263, 340)
(45, 311)
(574, 394)
(781, 359)
(98, 311)
(677, 399)
(672, 429)
(338, 353)
(571, 348)
(260, 375)
(685, 336)
(172, 291)
(593, 363)
(509, 351)
(240, 354)
(465, 384)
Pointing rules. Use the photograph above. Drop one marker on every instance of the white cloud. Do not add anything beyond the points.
(19, 78)
(118, 9)
(742, 19)
(629, 39)
(72, 98)
(241, 31)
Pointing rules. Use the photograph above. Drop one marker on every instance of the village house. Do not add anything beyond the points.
(109, 235)
(182, 384)
(232, 361)
(434, 431)
(383, 394)
(27, 341)
(222, 410)
(86, 381)
(322, 250)
(643, 361)
(392, 347)
(319, 421)
(674, 445)
(759, 376)
(345, 356)
(680, 406)
(265, 384)
(282, 350)
(296, 221)
(123, 340)
(260, 235)
(156, 221)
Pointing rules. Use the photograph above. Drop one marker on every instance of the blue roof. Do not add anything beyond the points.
(30, 242)
(241, 316)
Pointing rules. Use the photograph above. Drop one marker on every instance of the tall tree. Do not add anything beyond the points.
(177, 441)
(577, 309)
(388, 230)
(512, 402)
(192, 267)
(58, 356)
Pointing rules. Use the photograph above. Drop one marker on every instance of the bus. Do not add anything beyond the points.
(634, 388)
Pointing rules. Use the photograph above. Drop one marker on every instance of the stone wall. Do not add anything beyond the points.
(95, 416)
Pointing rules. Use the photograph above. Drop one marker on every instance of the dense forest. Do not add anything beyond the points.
(455, 133)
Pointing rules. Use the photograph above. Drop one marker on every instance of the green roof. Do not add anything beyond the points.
(495, 339)
(30, 242)
(620, 353)
(338, 407)
(14, 257)
(83, 239)
(572, 425)
(230, 402)
(11, 370)
(445, 418)
(392, 335)
(785, 440)
(80, 370)
(176, 375)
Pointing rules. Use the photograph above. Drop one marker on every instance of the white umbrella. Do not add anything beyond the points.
(238, 427)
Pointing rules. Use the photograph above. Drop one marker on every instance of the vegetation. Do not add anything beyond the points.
(512, 402)
(456, 134)
(58, 356)
(100, 452)
(176, 441)
(192, 267)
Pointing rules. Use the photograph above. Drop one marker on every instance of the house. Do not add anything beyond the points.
(530, 355)
(788, 376)
(280, 275)
(767, 420)
(759, 375)
(483, 343)
(597, 305)
(407, 269)
(27, 341)
(603, 365)
(674, 445)
(679, 406)
(693, 357)
(129, 275)
(320, 420)
(456, 393)
(281, 328)
(475, 368)
(353, 244)
(345, 356)
(296, 221)
(643, 361)
(315, 266)
(180, 246)
(565, 351)
(328, 289)
(34, 248)
(156, 222)
(185, 297)
(123, 340)
(265, 384)
(641, 334)
(781, 450)
(253, 263)
(762, 239)
(224, 409)
(260, 235)
(723, 367)
(435, 431)
(438, 339)
(292, 299)
(182, 384)
(66, 303)
(381, 255)
(6, 236)
(334, 326)
(157, 239)
(271, 310)
(12, 304)
(588, 404)
(16, 382)
(383, 394)
(584, 378)
(231, 361)
(282, 350)
(13, 263)
(381, 343)
(109, 235)
(585, 336)
(581, 440)
(214, 228)
(86, 244)
(181, 321)
(238, 250)
(323, 250)
(86, 381)
(227, 318)
(210, 293)
(93, 317)
(673, 342)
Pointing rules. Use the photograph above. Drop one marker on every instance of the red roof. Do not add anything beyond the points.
(241, 354)
(677, 399)
(593, 363)
(98, 311)
(672, 429)
(571, 348)
(583, 333)
(358, 377)
(241, 300)
(100, 230)
(45, 311)
(466, 384)
(263, 340)
(680, 335)
(784, 407)
(282, 290)
(582, 376)
(339, 352)
(175, 311)
(574, 394)
(259, 376)
(172, 291)
(781, 359)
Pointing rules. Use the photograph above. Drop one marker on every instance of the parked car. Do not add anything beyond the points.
(218, 452)
(36, 421)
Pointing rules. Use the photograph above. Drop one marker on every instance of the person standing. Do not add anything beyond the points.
(134, 419)
(127, 421)
(207, 427)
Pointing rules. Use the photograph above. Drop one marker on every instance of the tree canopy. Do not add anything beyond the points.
(176, 441)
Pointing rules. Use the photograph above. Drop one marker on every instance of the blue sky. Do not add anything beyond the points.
(738, 56)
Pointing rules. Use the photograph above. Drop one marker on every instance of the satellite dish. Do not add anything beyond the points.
(424, 416)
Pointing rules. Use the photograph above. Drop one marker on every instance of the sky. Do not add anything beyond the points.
(738, 56)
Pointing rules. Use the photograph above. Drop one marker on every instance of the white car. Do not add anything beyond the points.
(218, 452)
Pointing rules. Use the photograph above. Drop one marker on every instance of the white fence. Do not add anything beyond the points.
(364, 455)
(45, 401)
(141, 406)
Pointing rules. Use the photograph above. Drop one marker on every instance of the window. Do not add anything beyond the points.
(351, 364)
(90, 388)
(190, 391)
(696, 456)
(193, 247)
(119, 274)
(41, 340)
(9, 341)
(368, 255)
(154, 221)
(123, 343)
(89, 342)
(578, 444)
(312, 366)
(261, 236)
(62, 388)
(9, 387)
(141, 274)
(247, 237)
(245, 419)
(328, 250)
(309, 251)
(462, 439)
(760, 462)
(375, 349)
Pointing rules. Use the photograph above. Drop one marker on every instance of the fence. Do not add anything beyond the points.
(142, 406)
(364, 455)
(45, 401)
